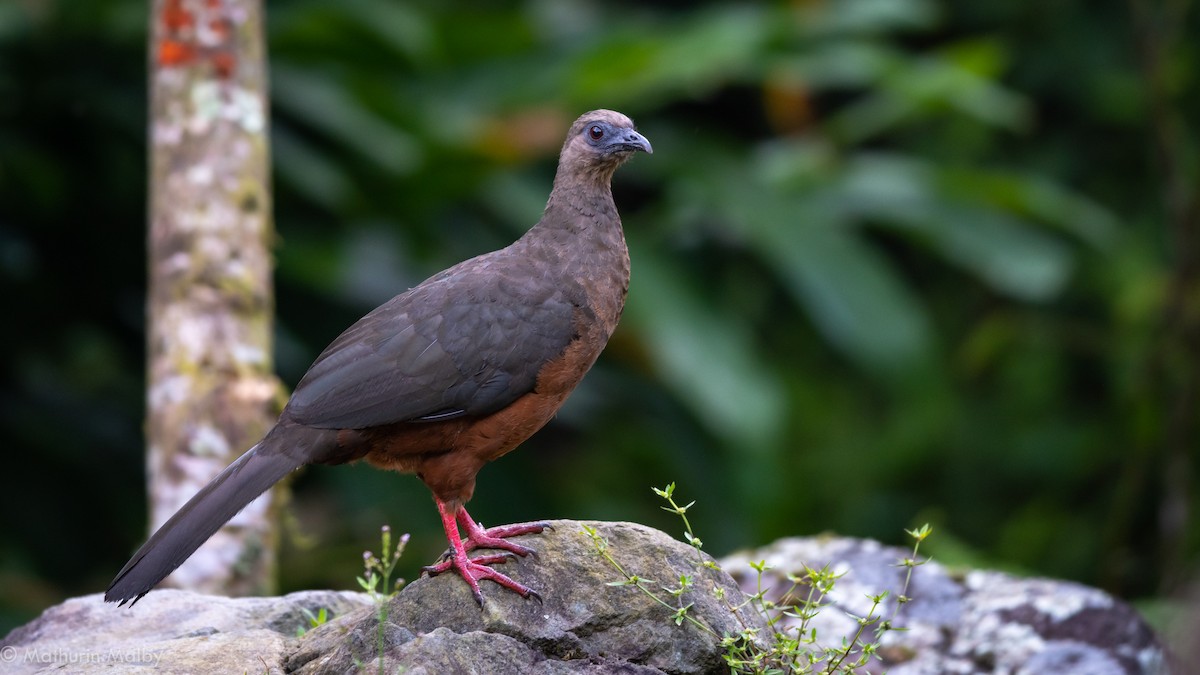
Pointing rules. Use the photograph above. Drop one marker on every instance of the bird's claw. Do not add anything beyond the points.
(474, 570)
(446, 562)
(504, 531)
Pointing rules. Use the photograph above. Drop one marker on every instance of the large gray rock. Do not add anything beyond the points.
(583, 625)
(978, 622)
(168, 631)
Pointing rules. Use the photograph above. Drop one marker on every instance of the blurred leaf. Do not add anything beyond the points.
(842, 63)
(326, 105)
(1032, 196)
(314, 175)
(399, 24)
(1004, 252)
(868, 16)
(516, 198)
(708, 360)
(925, 85)
(850, 292)
(984, 57)
(655, 62)
(353, 30)
(1011, 255)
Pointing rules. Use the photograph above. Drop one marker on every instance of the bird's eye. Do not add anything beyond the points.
(596, 132)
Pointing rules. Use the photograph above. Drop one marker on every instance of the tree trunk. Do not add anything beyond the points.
(211, 393)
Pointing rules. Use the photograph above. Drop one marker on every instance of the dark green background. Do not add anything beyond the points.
(894, 261)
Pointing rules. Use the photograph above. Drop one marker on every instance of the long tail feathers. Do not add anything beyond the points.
(198, 520)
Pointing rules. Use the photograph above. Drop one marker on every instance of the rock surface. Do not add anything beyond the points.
(583, 624)
(978, 622)
(168, 631)
(974, 623)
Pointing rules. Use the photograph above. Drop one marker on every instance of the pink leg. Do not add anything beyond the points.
(476, 569)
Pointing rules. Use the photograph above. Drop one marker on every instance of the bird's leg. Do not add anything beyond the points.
(474, 570)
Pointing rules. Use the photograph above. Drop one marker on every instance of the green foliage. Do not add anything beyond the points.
(380, 583)
(889, 257)
(320, 618)
(792, 645)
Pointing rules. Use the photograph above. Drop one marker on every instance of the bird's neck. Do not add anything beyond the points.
(581, 230)
(587, 196)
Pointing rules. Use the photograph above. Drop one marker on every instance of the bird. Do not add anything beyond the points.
(449, 375)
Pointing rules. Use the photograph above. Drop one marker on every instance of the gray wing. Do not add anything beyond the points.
(469, 341)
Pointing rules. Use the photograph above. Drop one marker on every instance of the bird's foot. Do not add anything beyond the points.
(495, 537)
(474, 570)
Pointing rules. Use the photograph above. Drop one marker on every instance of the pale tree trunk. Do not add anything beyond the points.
(211, 393)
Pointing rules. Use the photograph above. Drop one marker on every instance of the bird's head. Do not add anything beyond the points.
(599, 142)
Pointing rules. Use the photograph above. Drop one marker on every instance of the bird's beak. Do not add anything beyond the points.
(632, 140)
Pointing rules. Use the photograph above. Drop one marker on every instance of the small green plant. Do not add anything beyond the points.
(793, 647)
(314, 620)
(377, 581)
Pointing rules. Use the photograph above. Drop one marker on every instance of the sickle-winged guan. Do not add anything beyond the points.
(448, 375)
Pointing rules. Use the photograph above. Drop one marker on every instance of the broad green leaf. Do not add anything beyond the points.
(850, 292)
(1034, 197)
(1011, 254)
(1008, 254)
(655, 62)
(926, 87)
(708, 358)
(806, 237)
